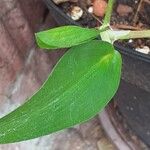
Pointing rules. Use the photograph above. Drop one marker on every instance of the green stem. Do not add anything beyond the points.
(103, 28)
(136, 34)
(127, 34)
(111, 35)
(108, 12)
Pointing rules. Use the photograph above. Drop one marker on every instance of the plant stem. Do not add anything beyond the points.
(112, 35)
(108, 12)
(103, 28)
(116, 35)
(137, 11)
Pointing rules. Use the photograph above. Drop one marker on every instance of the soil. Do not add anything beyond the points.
(138, 19)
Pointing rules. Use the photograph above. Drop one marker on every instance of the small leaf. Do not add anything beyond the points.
(82, 83)
(66, 36)
(43, 45)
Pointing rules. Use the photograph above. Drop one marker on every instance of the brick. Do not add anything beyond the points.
(30, 79)
(49, 22)
(25, 87)
(37, 68)
(44, 62)
(6, 6)
(34, 10)
(10, 60)
(19, 29)
(41, 65)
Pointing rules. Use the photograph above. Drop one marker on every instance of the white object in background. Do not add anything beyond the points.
(144, 50)
(76, 13)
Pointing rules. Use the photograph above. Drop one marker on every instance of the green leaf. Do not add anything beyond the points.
(43, 45)
(66, 36)
(82, 83)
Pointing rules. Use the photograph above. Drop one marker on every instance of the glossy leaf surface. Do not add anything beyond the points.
(66, 36)
(82, 83)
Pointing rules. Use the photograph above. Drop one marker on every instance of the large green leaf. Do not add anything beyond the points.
(82, 83)
(66, 36)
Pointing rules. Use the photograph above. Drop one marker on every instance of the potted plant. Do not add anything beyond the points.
(135, 72)
(82, 83)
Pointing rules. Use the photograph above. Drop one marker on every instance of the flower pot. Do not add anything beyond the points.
(126, 120)
(135, 82)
